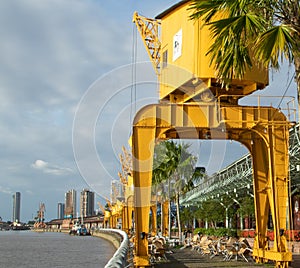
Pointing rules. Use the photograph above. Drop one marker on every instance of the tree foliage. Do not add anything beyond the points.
(266, 31)
(174, 171)
(247, 206)
(211, 211)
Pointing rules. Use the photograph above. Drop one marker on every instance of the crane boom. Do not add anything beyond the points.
(101, 207)
(148, 29)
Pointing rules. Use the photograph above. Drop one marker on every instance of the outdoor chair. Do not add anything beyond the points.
(204, 246)
(239, 249)
(157, 249)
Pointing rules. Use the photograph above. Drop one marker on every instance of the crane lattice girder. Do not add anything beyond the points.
(149, 31)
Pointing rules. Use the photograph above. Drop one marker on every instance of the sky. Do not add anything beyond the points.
(67, 98)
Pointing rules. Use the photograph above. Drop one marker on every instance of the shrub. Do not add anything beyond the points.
(216, 232)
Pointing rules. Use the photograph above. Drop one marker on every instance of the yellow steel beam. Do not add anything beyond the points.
(154, 220)
(264, 130)
(142, 152)
(165, 219)
(130, 209)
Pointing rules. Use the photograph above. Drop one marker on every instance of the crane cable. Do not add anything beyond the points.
(284, 94)
(133, 76)
(287, 88)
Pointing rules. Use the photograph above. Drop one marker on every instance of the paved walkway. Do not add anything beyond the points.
(186, 258)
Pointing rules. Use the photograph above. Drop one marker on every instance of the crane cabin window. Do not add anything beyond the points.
(165, 59)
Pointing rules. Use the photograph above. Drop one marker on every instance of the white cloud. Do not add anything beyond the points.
(39, 164)
(50, 168)
(5, 190)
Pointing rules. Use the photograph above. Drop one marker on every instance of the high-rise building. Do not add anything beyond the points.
(16, 207)
(87, 203)
(60, 210)
(70, 204)
(117, 190)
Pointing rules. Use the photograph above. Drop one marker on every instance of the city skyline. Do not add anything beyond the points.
(86, 206)
(53, 56)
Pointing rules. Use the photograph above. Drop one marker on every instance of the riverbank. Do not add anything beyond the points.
(41, 230)
(113, 238)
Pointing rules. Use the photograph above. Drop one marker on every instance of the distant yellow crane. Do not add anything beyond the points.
(106, 212)
(101, 207)
(126, 164)
(40, 218)
(126, 207)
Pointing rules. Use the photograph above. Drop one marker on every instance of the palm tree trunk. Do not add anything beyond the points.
(170, 214)
(178, 218)
(156, 206)
(162, 215)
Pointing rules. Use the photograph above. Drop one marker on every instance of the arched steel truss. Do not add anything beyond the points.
(237, 179)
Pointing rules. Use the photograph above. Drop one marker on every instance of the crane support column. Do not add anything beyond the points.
(165, 219)
(142, 151)
(154, 220)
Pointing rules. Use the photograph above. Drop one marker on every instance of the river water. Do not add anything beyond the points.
(31, 249)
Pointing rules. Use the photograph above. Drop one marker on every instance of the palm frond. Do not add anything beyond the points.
(234, 38)
(275, 43)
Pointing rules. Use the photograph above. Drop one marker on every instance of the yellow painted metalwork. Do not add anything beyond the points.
(130, 211)
(264, 130)
(129, 204)
(194, 105)
(153, 220)
(185, 72)
(107, 218)
(165, 220)
(148, 28)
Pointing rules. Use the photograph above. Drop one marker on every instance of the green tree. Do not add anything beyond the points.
(267, 30)
(183, 173)
(211, 211)
(187, 216)
(175, 165)
(247, 206)
(160, 173)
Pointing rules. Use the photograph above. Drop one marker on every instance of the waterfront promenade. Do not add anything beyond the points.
(186, 258)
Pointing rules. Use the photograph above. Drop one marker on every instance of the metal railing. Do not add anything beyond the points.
(286, 104)
(121, 257)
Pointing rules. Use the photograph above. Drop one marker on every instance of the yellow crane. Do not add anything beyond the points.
(106, 212)
(125, 175)
(101, 208)
(195, 105)
(40, 218)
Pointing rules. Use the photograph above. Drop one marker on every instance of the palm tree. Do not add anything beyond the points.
(175, 165)
(183, 173)
(186, 216)
(268, 30)
(159, 174)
